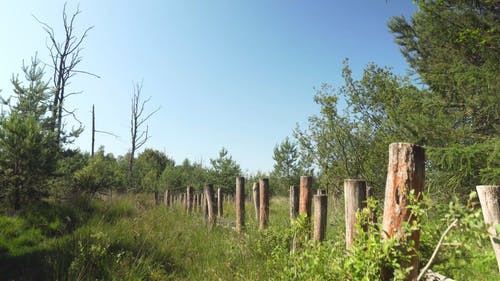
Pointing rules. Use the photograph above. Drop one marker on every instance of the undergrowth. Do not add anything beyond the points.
(129, 238)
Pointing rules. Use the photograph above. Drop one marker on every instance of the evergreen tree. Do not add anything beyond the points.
(453, 47)
(286, 166)
(28, 150)
(224, 171)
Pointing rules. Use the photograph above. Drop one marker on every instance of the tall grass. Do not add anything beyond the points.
(129, 238)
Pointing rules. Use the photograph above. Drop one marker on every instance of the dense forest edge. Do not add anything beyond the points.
(67, 214)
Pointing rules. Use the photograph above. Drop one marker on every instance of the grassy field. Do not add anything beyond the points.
(128, 238)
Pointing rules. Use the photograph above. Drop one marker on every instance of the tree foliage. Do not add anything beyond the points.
(177, 178)
(453, 47)
(455, 114)
(100, 175)
(223, 171)
(27, 147)
(286, 163)
(150, 165)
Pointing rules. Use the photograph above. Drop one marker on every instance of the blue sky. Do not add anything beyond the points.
(234, 74)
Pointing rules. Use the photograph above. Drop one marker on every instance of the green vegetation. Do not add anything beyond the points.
(129, 238)
(68, 215)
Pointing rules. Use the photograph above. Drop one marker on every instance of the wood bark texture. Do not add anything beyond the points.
(240, 204)
(264, 203)
(256, 200)
(405, 173)
(489, 197)
(305, 195)
(320, 211)
(355, 200)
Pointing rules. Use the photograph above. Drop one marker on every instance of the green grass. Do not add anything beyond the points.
(128, 238)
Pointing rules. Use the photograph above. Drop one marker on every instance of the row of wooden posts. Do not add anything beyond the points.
(406, 173)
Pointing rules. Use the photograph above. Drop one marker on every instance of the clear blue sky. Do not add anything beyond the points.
(234, 74)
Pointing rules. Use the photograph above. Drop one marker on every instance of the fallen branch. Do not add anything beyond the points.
(440, 243)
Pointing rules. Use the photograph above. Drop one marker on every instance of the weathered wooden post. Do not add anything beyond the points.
(157, 197)
(210, 203)
(240, 204)
(189, 199)
(166, 198)
(264, 203)
(320, 211)
(405, 173)
(305, 196)
(355, 200)
(294, 202)
(489, 197)
(256, 200)
(205, 205)
(200, 202)
(220, 201)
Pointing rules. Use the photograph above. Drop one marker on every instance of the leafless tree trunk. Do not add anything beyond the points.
(93, 131)
(65, 55)
(97, 131)
(139, 135)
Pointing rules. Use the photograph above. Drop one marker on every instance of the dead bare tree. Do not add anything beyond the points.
(139, 135)
(94, 131)
(65, 55)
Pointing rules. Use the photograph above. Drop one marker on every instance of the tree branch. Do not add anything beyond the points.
(440, 243)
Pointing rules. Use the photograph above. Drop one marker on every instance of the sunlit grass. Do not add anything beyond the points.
(129, 238)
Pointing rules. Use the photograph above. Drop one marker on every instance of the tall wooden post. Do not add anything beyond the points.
(320, 211)
(93, 131)
(489, 197)
(256, 200)
(205, 205)
(189, 199)
(166, 198)
(220, 202)
(240, 204)
(294, 202)
(405, 173)
(200, 202)
(305, 196)
(210, 203)
(355, 200)
(264, 203)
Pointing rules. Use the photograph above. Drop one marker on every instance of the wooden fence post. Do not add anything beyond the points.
(189, 199)
(205, 205)
(240, 204)
(200, 202)
(210, 204)
(166, 198)
(405, 173)
(305, 196)
(256, 200)
(355, 200)
(294, 202)
(320, 211)
(220, 202)
(264, 203)
(489, 197)
(157, 197)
